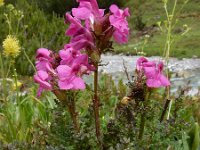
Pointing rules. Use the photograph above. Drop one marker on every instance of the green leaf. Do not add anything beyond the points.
(194, 139)
(184, 141)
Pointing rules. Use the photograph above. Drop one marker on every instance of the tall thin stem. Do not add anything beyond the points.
(164, 110)
(142, 125)
(27, 57)
(96, 105)
(3, 78)
(73, 114)
(17, 88)
(168, 48)
(8, 69)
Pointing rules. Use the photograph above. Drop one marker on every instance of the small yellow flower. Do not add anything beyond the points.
(11, 46)
(17, 85)
(1, 3)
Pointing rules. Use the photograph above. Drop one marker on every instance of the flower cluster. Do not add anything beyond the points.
(119, 23)
(90, 30)
(72, 66)
(152, 72)
(45, 70)
(11, 46)
(61, 71)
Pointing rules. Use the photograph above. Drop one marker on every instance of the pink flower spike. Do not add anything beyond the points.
(118, 21)
(153, 73)
(44, 60)
(42, 79)
(81, 37)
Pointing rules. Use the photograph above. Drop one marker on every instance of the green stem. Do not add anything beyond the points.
(164, 110)
(168, 46)
(15, 79)
(4, 93)
(29, 60)
(8, 69)
(2, 67)
(170, 106)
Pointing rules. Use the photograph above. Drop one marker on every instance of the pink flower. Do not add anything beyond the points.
(67, 56)
(81, 65)
(88, 10)
(43, 53)
(77, 61)
(81, 37)
(45, 72)
(70, 65)
(153, 73)
(120, 24)
(96, 25)
(155, 78)
(68, 80)
(42, 78)
(73, 66)
(44, 60)
(140, 62)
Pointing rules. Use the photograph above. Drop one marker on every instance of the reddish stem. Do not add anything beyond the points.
(96, 105)
(73, 114)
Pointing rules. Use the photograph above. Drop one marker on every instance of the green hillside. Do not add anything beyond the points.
(152, 12)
